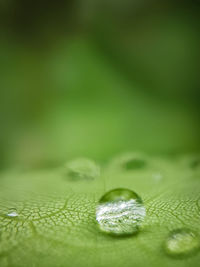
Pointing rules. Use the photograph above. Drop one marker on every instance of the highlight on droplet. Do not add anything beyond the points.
(120, 212)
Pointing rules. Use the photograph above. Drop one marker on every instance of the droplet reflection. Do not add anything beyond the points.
(120, 212)
(12, 213)
(82, 168)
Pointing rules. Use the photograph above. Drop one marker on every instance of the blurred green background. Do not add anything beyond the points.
(95, 78)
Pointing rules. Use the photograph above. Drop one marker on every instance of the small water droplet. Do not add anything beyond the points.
(134, 163)
(12, 213)
(82, 168)
(182, 242)
(129, 161)
(120, 212)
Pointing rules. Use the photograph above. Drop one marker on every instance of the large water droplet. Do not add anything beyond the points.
(182, 242)
(12, 213)
(120, 212)
(82, 168)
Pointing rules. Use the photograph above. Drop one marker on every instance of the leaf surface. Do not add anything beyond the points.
(56, 225)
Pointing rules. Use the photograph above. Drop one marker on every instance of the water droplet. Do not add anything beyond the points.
(182, 242)
(134, 163)
(129, 161)
(82, 168)
(120, 212)
(12, 213)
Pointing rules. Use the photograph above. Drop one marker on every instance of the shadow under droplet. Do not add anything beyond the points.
(111, 236)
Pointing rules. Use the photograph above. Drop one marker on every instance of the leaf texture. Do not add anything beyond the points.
(56, 225)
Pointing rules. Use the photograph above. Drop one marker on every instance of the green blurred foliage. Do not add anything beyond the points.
(94, 78)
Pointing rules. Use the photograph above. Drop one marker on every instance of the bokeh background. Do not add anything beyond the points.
(95, 78)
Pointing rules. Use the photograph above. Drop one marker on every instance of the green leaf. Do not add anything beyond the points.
(56, 223)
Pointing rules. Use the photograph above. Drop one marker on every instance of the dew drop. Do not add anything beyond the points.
(120, 212)
(181, 243)
(129, 161)
(134, 163)
(12, 213)
(82, 168)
